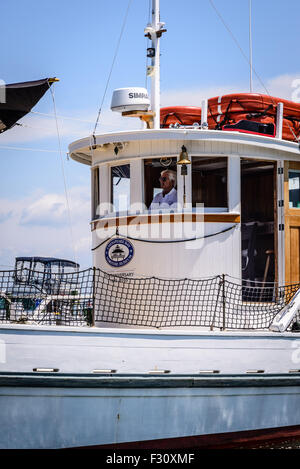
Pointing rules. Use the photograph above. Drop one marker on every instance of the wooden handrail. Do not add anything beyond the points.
(166, 218)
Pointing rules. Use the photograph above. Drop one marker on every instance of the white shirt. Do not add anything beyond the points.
(168, 200)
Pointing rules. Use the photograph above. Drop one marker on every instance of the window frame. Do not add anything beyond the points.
(114, 212)
(217, 208)
(95, 193)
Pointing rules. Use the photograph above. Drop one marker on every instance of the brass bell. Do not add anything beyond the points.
(183, 157)
(183, 160)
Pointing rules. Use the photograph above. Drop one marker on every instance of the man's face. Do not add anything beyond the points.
(165, 183)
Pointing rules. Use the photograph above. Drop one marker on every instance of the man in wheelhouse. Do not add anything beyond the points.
(167, 198)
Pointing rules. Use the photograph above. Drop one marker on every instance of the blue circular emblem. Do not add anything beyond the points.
(119, 252)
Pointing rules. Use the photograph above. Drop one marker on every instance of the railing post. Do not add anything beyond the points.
(224, 302)
(220, 283)
(94, 295)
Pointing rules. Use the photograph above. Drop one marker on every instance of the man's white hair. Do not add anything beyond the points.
(172, 175)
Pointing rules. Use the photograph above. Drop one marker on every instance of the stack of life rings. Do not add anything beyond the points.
(243, 112)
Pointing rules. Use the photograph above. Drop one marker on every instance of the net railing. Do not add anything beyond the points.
(94, 297)
(47, 298)
(155, 302)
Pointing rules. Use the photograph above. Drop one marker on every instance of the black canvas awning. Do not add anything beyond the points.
(17, 99)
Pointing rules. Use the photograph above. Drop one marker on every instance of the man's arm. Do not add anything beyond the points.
(155, 202)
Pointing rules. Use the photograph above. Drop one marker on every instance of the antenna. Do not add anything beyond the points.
(154, 31)
(250, 43)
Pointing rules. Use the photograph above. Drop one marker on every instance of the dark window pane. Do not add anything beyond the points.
(209, 181)
(294, 188)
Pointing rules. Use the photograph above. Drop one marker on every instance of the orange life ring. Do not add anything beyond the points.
(231, 108)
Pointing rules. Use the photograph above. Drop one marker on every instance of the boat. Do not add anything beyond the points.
(185, 331)
(35, 282)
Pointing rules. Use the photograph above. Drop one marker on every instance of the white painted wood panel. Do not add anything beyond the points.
(219, 254)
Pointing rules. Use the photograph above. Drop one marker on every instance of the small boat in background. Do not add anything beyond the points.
(39, 284)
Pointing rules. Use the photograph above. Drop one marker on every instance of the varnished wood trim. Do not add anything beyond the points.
(222, 218)
(292, 220)
(275, 208)
(294, 165)
(166, 218)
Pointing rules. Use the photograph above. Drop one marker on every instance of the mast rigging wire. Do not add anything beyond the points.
(239, 47)
(250, 43)
(63, 173)
(7, 147)
(62, 117)
(249, 61)
(112, 65)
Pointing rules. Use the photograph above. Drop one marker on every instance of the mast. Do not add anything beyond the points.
(154, 32)
(155, 82)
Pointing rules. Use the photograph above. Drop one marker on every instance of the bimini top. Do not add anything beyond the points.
(48, 261)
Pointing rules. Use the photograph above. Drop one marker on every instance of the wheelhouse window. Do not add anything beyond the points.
(294, 188)
(120, 187)
(258, 214)
(209, 182)
(160, 176)
(95, 193)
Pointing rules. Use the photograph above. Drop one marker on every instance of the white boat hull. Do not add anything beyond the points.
(123, 386)
(46, 411)
(24, 348)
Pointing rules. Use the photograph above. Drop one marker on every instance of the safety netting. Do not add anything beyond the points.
(94, 297)
(44, 297)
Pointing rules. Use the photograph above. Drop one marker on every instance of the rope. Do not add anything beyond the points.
(112, 65)
(63, 172)
(295, 136)
(61, 117)
(164, 242)
(248, 61)
(6, 147)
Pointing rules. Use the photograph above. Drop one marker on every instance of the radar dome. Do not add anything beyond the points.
(130, 99)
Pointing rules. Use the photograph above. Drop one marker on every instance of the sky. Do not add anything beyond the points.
(44, 195)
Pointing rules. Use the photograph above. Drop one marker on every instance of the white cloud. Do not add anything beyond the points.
(280, 86)
(194, 96)
(50, 209)
(36, 128)
(39, 225)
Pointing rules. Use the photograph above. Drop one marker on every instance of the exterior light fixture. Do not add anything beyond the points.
(183, 162)
(151, 52)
